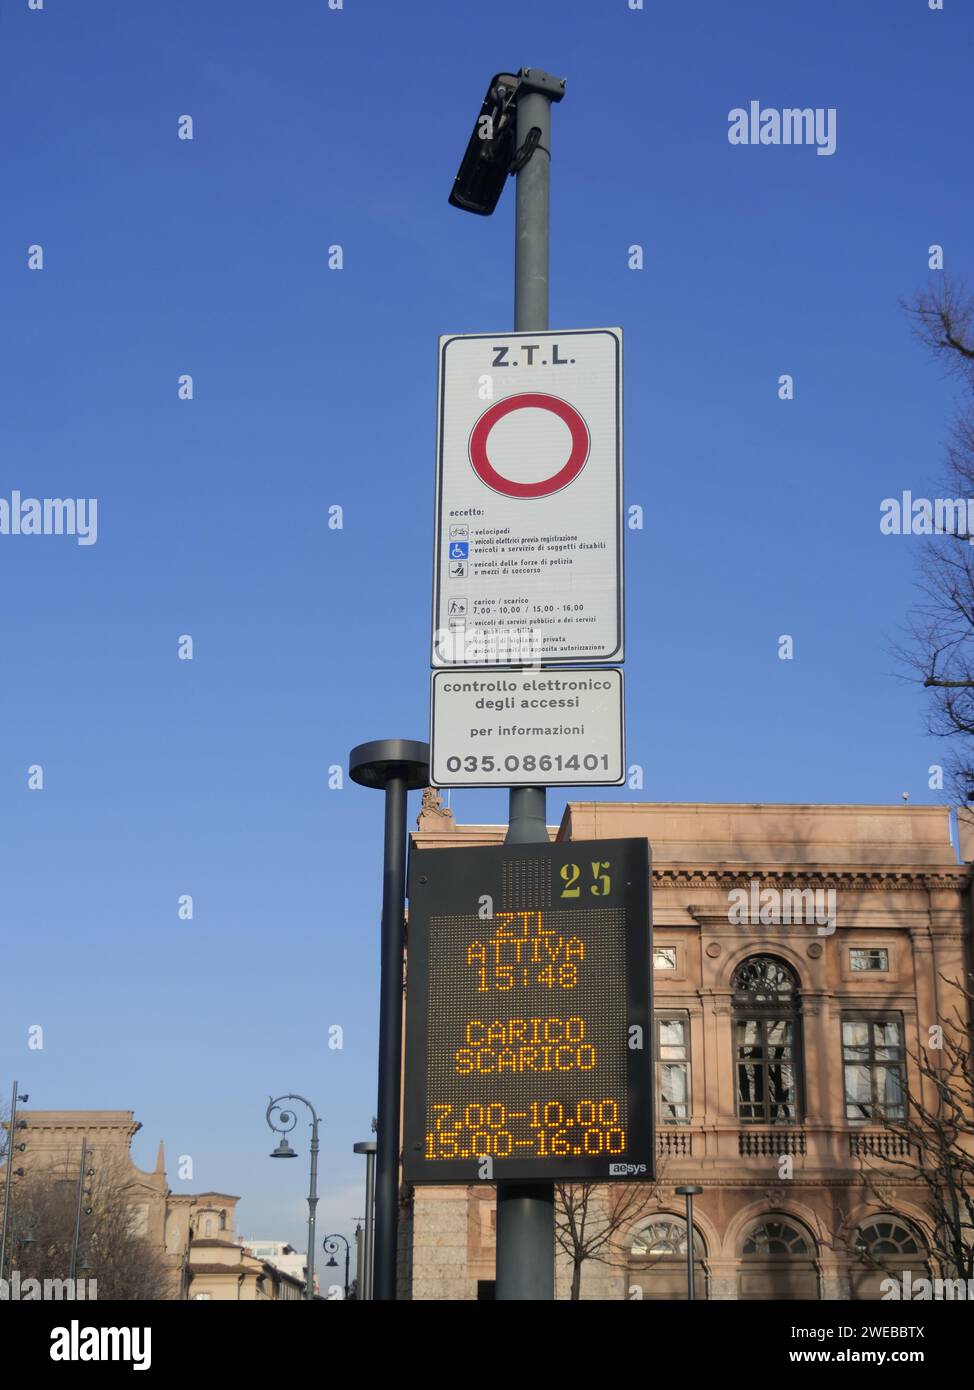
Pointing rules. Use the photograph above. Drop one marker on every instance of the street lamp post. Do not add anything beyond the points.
(396, 766)
(689, 1193)
(330, 1245)
(288, 1119)
(368, 1147)
(11, 1171)
(80, 1209)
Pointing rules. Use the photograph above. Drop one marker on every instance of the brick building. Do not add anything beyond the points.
(778, 1045)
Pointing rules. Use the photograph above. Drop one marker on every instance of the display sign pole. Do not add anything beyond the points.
(526, 1212)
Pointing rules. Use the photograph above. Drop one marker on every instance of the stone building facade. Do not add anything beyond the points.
(776, 1044)
(195, 1232)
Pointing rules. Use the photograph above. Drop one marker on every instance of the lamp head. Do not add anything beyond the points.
(283, 1150)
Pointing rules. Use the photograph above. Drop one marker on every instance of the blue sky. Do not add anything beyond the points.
(315, 387)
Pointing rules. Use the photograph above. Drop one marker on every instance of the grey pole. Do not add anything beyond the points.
(526, 1212)
(8, 1175)
(526, 816)
(390, 1040)
(535, 94)
(312, 1206)
(397, 765)
(689, 1193)
(368, 1148)
(77, 1210)
(288, 1119)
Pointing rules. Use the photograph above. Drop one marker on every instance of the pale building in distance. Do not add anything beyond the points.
(281, 1255)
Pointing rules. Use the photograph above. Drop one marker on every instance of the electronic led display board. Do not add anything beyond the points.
(528, 1014)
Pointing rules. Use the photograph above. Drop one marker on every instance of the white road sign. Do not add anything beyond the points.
(528, 559)
(503, 728)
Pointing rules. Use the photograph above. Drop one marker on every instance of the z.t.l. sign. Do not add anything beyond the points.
(528, 559)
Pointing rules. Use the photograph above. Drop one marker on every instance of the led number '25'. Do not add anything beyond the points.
(571, 876)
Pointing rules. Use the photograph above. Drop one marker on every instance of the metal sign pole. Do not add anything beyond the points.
(526, 1212)
(8, 1178)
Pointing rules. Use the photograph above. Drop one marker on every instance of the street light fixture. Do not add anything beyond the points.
(395, 766)
(368, 1148)
(330, 1244)
(689, 1193)
(287, 1120)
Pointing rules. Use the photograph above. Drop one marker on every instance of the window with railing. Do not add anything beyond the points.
(872, 1065)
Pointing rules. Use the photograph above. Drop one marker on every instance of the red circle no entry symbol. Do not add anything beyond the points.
(533, 400)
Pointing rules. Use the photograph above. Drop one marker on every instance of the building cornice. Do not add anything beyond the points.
(810, 876)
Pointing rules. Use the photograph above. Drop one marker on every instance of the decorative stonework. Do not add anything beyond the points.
(870, 880)
(714, 950)
(433, 815)
(723, 1287)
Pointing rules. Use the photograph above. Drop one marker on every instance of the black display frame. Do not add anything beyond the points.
(444, 882)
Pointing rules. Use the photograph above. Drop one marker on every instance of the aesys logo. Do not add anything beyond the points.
(626, 1170)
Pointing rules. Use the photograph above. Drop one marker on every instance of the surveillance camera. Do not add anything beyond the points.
(487, 160)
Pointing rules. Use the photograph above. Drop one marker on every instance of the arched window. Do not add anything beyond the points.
(767, 1041)
(208, 1228)
(775, 1238)
(223, 1221)
(885, 1246)
(657, 1262)
(888, 1236)
(666, 1236)
(764, 980)
(777, 1260)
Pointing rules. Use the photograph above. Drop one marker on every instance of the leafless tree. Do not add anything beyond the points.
(588, 1216)
(937, 649)
(111, 1250)
(937, 1143)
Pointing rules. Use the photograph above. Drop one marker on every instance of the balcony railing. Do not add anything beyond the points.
(879, 1146)
(751, 1144)
(674, 1143)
